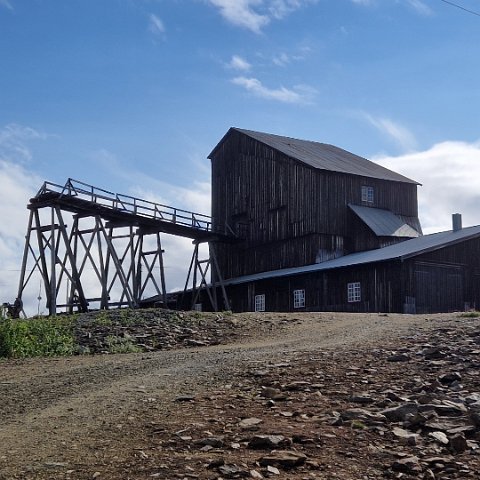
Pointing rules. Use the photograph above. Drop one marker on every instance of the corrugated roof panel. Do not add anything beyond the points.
(402, 250)
(325, 157)
(384, 223)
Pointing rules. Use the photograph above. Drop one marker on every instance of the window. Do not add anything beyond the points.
(260, 303)
(298, 298)
(367, 194)
(354, 292)
(197, 307)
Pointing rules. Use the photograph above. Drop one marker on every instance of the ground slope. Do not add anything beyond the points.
(346, 396)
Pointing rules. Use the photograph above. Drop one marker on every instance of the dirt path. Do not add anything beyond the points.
(78, 417)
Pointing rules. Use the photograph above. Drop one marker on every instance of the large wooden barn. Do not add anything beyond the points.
(323, 229)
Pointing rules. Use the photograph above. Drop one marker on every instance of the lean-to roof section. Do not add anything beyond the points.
(400, 251)
(384, 223)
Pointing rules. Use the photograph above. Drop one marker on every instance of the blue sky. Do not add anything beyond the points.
(132, 95)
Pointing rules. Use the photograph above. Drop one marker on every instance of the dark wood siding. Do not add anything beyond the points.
(447, 279)
(381, 290)
(289, 213)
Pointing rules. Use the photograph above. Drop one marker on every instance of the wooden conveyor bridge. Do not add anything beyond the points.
(113, 247)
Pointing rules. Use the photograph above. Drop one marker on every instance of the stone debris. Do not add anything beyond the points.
(395, 411)
(361, 413)
(283, 458)
(147, 330)
(267, 442)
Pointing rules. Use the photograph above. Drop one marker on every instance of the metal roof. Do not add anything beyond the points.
(400, 251)
(384, 223)
(322, 156)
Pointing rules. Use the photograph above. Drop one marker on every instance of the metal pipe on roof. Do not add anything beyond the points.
(456, 222)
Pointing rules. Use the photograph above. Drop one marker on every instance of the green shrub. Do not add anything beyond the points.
(102, 319)
(470, 315)
(47, 337)
(117, 344)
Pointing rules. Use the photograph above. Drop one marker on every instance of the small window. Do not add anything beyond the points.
(260, 303)
(197, 307)
(354, 292)
(367, 194)
(298, 298)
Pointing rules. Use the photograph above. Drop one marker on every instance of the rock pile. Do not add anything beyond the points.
(126, 330)
(401, 411)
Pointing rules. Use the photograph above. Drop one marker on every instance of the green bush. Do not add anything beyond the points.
(470, 314)
(47, 337)
(116, 344)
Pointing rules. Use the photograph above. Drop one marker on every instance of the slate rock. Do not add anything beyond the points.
(362, 398)
(439, 437)
(405, 437)
(233, 471)
(249, 422)
(458, 443)
(283, 458)
(398, 357)
(266, 442)
(215, 442)
(407, 465)
(398, 414)
(362, 415)
(448, 378)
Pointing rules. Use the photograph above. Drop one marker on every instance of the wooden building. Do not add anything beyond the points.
(323, 229)
(295, 202)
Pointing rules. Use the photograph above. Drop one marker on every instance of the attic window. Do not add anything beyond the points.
(367, 194)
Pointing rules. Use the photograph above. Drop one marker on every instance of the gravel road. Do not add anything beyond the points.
(85, 416)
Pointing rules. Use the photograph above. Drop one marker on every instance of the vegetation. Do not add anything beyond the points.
(46, 337)
(118, 344)
(470, 315)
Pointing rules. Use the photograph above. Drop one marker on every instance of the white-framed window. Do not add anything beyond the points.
(298, 298)
(260, 303)
(354, 292)
(367, 194)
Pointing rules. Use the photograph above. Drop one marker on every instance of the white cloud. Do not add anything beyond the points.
(239, 63)
(420, 7)
(363, 2)
(18, 186)
(281, 8)
(14, 142)
(300, 94)
(256, 14)
(242, 13)
(6, 4)
(284, 58)
(155, 24)
(449, 173)
(398, 133)
(281, 60)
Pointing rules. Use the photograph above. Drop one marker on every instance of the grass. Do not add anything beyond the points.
(37, 337)
(470, 315)
(118, 344)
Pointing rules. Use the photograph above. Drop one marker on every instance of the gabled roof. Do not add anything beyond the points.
(321, 156)
(400, 251)
(384, 223)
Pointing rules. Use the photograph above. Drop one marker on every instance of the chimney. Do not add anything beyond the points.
(456, 222)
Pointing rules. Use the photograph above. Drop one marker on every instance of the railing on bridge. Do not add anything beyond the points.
(129, 204)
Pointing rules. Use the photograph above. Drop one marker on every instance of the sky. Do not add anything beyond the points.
(132, 95)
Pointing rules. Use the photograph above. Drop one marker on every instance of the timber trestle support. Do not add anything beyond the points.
(96, 249)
